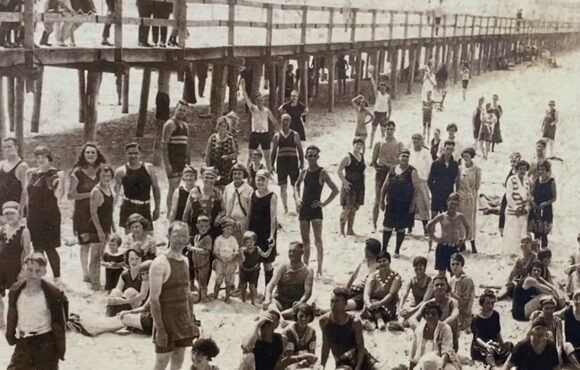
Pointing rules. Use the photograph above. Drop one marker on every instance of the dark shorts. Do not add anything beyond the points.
(249, 277)
(36, 352)
(464, 83)
(380, 119)
(287, 167)
(260, 139)
(162, 106)
(128, 208)
(427, 117)
(356, 295)
(443, 253)
(146, 322)
(172, 345)
(307, 213)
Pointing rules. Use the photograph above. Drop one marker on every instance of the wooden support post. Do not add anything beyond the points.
(394, 54)
(163, 87)
(35, 120)
(2, 111)
(403, 58)
(28, 23)
(257, 68)
(92, 97)
(19, 112)
(118, 19)
(330, 26)
(413, 51)
(233, 77)
(282, 80)
(219, 79)
(143, 102)
(180, 9)
(125, 79)
(480, 59)
(381, 62)
(358, 72)
(272, 86)
(330, 62)
(455, 63)
(82, 94)
(304, 80)
(11, 100)
(437, 53)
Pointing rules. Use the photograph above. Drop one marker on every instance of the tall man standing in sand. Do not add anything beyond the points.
(175, 148)
(171, 305)
(260, 135)
(288, 155)
(385, 156)
(137, 179)
(292, 282)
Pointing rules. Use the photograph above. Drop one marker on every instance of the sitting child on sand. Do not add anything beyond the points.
(113, 261)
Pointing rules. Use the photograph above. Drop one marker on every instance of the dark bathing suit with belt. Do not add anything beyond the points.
(136, 194)
(10, 186)
(177, 149)
(311, 193)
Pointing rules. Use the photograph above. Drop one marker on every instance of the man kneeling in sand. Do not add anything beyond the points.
(171, 306)
(293, 283)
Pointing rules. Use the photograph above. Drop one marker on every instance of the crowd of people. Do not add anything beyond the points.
(224, 224)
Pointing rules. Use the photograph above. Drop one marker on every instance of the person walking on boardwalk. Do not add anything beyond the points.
(310, 206)
(551, 120)
(171, 304)
(288, 156)
(351, 171)
(175, 148)
(382, 111)
(297, 111)
(137, 179)
(12, 174)
(260, 135)
(385, 156)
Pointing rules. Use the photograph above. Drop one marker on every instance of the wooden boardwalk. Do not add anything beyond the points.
(264, 36)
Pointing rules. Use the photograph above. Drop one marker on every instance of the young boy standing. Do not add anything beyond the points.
(199, 255)
(463, 290)
(37, 314)
(226, 251)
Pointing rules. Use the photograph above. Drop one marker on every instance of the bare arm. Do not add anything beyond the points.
(187, 211)
(96, 200)
(274, 150)
(370, 115)
(454, 313)
(297, 188)
(393, 292)
(355, 100)
(430, 227)
(156, 190)
(465, 224)
(375, 156)
(360, 343)
(353, 276)
(405, 294)
(174, 201)
(273, 215)
(119, 174)
(157, 273)
(278, 271)
(369, 286)
(72, 189)
(272, 118)
(25, 240)
(325, 351)
(300, 151)
(168, 129)
(208, 152)
(281, 108)
(308, 286)
(340, 172)
(246, 97)
(333, 188)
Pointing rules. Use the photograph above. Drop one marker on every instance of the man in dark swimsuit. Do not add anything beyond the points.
(442, 178)
(12, 174)
(297, 111)
(287, 157)
(137, 180)
(175, 148)
(171, 304)
(310, 206)
(293, 283)
(342, 334)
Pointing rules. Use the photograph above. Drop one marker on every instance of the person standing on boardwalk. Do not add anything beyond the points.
(351, 171)
(175, 148)
(145, 11)
(12, 174)
(551, 119)
(310, 206)
(171, 304)
(382, 111)
(288, 156)
(37, 316)
(137, 179)
(385, 156)
(83, 179)
(468, 185)
(260, 135)
(443, 178)
(421, 161)
(45, 187)
(297, 111)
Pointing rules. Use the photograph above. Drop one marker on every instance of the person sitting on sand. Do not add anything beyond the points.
(132, 288)
(529, 291)
(487, 345)
(434, 335)
(292, 283)
(417, 286)
(300, 338)
(342, 334)
(264, 347)
(573, 270)
(447, 304)
(545, 257)
(202, 352)
(536, 351)
(462, 289)
(113, 261)
(571, 317)
(138, 238)
(556, 328)
(382, 293)
(358, 278)
(520, 269)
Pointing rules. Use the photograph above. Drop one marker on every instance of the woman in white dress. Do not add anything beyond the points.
(468, 187)
(518, 198)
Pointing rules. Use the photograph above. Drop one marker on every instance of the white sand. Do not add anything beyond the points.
(523, 94)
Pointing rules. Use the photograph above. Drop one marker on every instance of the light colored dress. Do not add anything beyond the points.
(421, 160)
(516, 227)
(469, 181)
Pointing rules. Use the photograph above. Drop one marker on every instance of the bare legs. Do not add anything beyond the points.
(97, 250)
(305, 233)
(347, 219)
(85, 251)
(175, 357)
(173, 184)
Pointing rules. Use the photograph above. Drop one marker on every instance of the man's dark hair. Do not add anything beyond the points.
(543, 254)
(132, 145)
(341, 292)
(373, 246)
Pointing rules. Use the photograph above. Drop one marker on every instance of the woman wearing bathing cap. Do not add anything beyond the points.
(535, 351)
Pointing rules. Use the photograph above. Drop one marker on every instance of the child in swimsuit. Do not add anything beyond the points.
(250, 268)
(226, 252)
(113, 261)
(199, 253)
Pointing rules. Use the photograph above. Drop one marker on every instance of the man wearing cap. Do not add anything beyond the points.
(382, 111)
(288, 156)
(310, 206)
(175, 148)
(15, 242)
(292, 283)
(237, 197)
(260, 135)
(536, 351)
(137, 179)
(12, 174)
(171, 306)
(551, 119)
(385, 156)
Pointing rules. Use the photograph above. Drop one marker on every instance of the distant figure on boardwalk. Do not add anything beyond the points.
(160, 10)
(341, 69)
(145, 10)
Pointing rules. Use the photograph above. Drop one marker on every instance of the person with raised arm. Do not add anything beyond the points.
(360, 104)
(383, 109)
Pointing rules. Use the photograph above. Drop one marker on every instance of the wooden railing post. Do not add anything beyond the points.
(374, 25)
(269, 27)
(353, 26)
(406, 29)
(330, 26)
(118, 21)
(304, 27)
(28, 15)
(19, 112)
(231, 25)
(391, 21)
(181, 21)
(420, 25)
